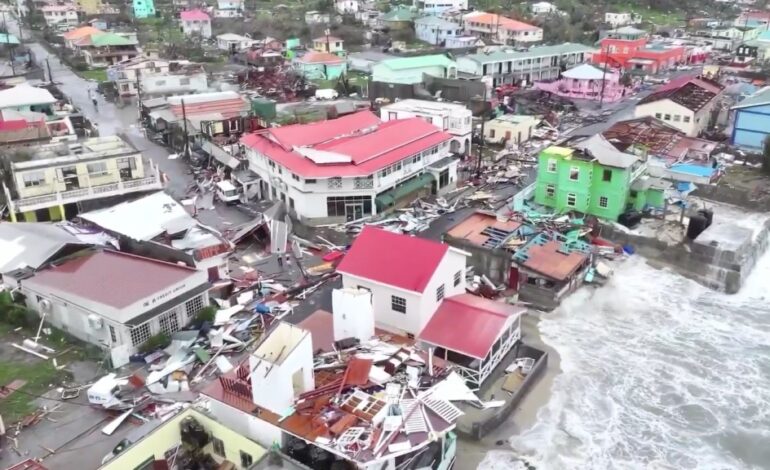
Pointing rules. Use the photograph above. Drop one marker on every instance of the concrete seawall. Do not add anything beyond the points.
(721, 257)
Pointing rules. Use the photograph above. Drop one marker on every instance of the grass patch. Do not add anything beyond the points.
(39, 376)
(99, 75)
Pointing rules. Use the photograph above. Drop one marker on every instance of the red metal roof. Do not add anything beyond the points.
(396, 260)
(370, 143)
(192, 15)
(469, 324)
(320, 58)
(112, 278)
(29, 464)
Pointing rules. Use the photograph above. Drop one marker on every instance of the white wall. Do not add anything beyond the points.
(245, 424)
(669, 108)
(453, 262)
(172, 84)
(275, 389)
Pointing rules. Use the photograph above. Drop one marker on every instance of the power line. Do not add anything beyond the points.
(4, 388)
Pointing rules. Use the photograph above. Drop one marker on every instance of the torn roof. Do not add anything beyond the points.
(551, 256)
(659, 138)
(397, 260)
(484, 229)
(487, 319)
(32, 244)
(604, 152)
(691, 92)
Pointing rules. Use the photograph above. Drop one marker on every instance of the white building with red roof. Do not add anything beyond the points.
(195, 22)
(501, 29)
(116, 300)
(408, 276)
(351, 167)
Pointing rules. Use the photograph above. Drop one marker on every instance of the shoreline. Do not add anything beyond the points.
(471, 453)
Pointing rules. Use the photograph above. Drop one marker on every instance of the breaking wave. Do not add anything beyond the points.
(658, 372)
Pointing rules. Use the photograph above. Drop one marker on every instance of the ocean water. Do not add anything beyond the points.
(658, 373)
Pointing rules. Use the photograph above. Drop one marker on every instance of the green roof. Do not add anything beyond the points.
(110, 39)
(402, 63)
(539, 51)
(399, 14)
(762, 97)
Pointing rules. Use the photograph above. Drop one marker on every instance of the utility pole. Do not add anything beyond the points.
(604, 76)
(8, 42)
(138, 96)
(48, 66)
(185, 147)
(481, 137)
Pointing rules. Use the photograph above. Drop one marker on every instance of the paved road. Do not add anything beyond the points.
(112, 119)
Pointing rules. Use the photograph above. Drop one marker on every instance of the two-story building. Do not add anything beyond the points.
(61, 16)
(509, 66)
(105, 49)
(195, 23)
(126, 74)
(143, 8)
(751, 124)
(115, 300)
(235, 42)
(60, 175)
(320, 65)
(347, 7)
(543, 8)
(437, 31)
(621, 19)
(410, 70)
(455, 119)
(190, 78)
(501, 29)
(404, 300)
(686, 103)
(350, 167)
(31, 115)
(591, 176)
(435, 7)
(229, 9)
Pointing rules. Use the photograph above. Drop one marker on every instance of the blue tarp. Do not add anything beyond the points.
(697, 170)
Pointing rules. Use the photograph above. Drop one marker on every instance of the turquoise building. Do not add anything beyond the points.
(409, 70)
(144, 8)
(752, 121)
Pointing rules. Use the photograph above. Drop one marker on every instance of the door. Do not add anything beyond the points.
(69, 175)
(126, 167)
(513, 278)
(354, 211)
(507, 135)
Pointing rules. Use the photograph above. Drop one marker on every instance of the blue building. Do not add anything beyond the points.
(752, 121)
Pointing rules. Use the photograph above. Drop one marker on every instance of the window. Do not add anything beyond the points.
(633, 194)
(310, 181)
(574, 173)
(571, 199)
(550, 190)
(336, 205)
(97, 169)
(439, 293)
(604, 202)
(658, 115)
(160, 82)
(35, 178)
(607, 175)
(677, 118)
(140, 334)
(169, 322)
(184, 81)
(686, 119)
(218, 446)
(398, 304)
(113, 335)
(193, 306)
(491, 133)
(246, 460)
(294, 177)
(126, 163)
(458, 277)
(666, 117)
(551, 165)
(334, 183)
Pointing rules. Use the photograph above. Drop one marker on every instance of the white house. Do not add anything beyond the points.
(115, 300)
(125, 74)
(317, 17)
(196, 23)
(685, 104)
(435, 30)
(543, 8)
(235, 42)
(619, 19)
(455, 119)
(229, 9)
(408, 276)
(350, 167)
(347, 7)
(192, 79)
(60, 15)
(434, 7)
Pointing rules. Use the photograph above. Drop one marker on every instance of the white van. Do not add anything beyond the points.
(226, 192)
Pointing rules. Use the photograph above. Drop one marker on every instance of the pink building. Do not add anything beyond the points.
(585, 82)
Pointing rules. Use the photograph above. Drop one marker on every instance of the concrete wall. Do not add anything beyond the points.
(384, 316)
(495, 264)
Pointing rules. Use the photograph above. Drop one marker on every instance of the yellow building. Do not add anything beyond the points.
(59, 175)
(166, 443)
(90, 7)
(510, 129)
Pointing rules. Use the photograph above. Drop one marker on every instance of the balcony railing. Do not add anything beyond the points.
(91, 192)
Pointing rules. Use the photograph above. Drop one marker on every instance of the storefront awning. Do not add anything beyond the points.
(386, 199)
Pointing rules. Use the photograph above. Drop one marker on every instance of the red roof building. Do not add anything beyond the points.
(350, 167)
(494, 329)
(638, 54)
(500, 28)
(407, 276)
(117, 300)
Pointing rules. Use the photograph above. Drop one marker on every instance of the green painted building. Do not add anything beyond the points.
(591, 176)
